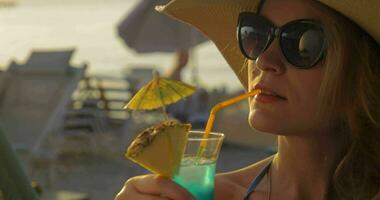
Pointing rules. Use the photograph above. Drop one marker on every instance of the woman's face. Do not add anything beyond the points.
(294, 112)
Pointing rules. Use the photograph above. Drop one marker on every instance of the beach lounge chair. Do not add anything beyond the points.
(34, 98)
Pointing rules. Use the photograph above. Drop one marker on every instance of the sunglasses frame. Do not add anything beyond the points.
(276, 32)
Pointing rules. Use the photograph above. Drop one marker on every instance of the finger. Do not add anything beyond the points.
(158, 185)
(128, 194)
(149, 197)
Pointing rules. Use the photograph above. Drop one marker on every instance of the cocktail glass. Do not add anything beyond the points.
(197, 171)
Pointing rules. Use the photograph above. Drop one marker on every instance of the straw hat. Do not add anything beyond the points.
(218, 19)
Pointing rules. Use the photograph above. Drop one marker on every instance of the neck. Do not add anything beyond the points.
(303, 166)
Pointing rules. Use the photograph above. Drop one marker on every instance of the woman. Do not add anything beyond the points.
(319, 73)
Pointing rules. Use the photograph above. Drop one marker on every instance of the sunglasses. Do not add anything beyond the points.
(302, 42)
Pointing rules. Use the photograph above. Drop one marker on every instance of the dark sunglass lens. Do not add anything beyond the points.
(254, 33)
(303, 44)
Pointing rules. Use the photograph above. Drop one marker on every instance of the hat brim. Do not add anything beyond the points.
(217, 19)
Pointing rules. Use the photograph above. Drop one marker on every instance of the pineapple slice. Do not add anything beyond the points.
(159, 149)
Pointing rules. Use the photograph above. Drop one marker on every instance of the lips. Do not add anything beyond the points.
(268, 92)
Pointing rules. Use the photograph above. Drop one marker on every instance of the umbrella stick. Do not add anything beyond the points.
(165, 113)
(194, 67)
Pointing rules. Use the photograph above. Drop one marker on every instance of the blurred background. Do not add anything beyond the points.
(69, 66)
(90, 26)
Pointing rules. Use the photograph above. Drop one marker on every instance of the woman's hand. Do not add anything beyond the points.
(152, 187)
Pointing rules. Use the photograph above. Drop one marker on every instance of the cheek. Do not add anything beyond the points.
(303, 102)
(298, 113)
(306, 90)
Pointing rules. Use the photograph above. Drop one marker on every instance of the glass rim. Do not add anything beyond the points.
(218, 136)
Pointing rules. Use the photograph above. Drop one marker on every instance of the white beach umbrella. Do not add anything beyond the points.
(145, 30)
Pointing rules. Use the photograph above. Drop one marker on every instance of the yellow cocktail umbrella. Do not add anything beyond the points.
(158, 93)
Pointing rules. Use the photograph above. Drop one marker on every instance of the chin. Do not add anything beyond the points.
(262, 128)
(279, 126)
(267, 124)
(259, 123)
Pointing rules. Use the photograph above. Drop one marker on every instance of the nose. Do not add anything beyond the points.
(271, 60)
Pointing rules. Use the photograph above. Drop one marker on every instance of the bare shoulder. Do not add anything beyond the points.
(232, 185)
(244, 176)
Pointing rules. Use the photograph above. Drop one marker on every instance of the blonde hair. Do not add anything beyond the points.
(351, 88)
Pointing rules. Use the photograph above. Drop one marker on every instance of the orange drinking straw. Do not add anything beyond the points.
(215, 109)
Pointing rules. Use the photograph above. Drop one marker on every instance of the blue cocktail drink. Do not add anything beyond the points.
(197, 176)
(197, 172)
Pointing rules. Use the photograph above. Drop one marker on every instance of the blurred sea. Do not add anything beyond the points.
(90, 27)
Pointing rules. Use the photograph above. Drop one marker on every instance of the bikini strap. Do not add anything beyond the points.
(257, 180)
